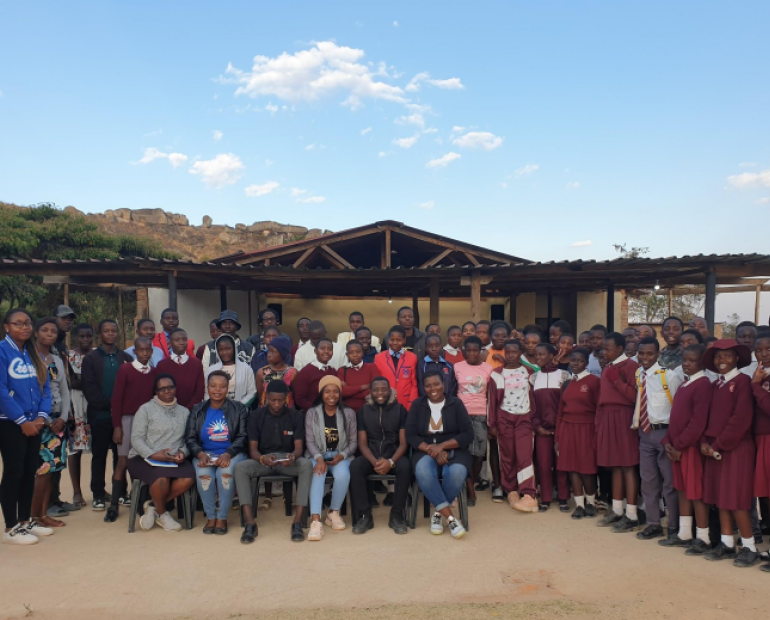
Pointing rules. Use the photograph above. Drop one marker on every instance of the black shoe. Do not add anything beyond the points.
(590, 511)
(483, 485)
(364, 524)
(642, 516)
(673, 540)
(697, 547)
(610, 519)
(563, 507)
(220, 531)
(380, 487)
(211, 529)
(579, 513)
(112, 515)
(543, 507)
(388, 501)
(397, 523)
(650, 532)
(625, 525)
(746, 558)
(765, 567)
(721, 552)
(249, 533)
(757, 539)
(297, 535)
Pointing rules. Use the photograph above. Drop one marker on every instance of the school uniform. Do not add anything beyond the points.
(511, 404)
(134, 386)
(728, 483)
(761, 393)
(546, 387)
(617, 444)
(594, 367)
(442, 366)
(188, 374)
(453, 355)
(576, 425)
(400, 369)
(306, 383)
(161, 341)
(689, 416)
(354, 377)
(656, 387)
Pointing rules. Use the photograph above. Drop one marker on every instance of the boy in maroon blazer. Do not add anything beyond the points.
(187, 370)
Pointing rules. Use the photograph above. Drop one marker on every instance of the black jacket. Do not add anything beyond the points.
(92, 375)
(457, 425)
(382, 425)
(236, 415)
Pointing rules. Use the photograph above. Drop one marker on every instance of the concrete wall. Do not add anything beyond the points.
(592, 309)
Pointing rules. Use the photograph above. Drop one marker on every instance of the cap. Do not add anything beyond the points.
(63, 311)
(229, 315)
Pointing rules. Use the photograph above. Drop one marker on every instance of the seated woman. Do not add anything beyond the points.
(331, 438)
(439, 431)
(242, 386)
(158, 435)
(216, 436)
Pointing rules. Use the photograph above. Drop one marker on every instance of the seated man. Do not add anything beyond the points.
(383, 447)
(356, 322)
(276, 436)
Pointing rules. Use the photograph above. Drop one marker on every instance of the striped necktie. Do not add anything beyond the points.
(644, 420)
(721, 381)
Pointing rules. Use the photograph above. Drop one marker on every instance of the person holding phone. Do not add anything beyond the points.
(157, 438)
(216, 435)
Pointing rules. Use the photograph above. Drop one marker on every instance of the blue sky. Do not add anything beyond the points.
(525, 126)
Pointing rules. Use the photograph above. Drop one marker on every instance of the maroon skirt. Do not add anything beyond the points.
(617, 444)
(577, 448)
(688, 473)
(729, 483)
(149, 474)
(762, 469)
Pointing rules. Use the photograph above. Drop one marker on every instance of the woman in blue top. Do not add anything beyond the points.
(216, 435)
(25, 404)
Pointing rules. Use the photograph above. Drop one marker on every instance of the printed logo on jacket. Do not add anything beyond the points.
(19, 369)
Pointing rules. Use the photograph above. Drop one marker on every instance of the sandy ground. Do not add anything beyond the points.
(510, 565)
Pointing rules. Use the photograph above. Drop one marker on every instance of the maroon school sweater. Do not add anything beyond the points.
(762, 407)
(580, 400)
(352, 393)
(306, 385)
(132, 390)
(731, 413)
(189, 380)
(689, 414)
(619, 385)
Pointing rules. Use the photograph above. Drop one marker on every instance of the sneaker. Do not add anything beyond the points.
(68, 506)
(397, 523)
(697, 547)
(602, 505)
(579, 513)
(147, 520)
(34, 528)
(436, 524)
(365, 523)
(98, 505)
(166, 521)
(513, 497)
(543, 507)
(721, 552)
(610, 519)
(19, 536)
(674, 541)
(111, 515)
(650, 532)
(746, 558)
(497, 495)
(765, 567)
(526, 504)
(625, 525)
(297, 535)
(590, 511)
(316, 531)
(563, 507)
(334, 520)
(456, 528)
(482, 485)
(55, 511)
(125, 500)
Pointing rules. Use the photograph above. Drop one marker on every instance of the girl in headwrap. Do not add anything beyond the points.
(278, 368)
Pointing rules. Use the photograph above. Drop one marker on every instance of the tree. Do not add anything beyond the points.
(633, 252)
(728, 331)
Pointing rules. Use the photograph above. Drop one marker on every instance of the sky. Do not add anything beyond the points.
(549, 130)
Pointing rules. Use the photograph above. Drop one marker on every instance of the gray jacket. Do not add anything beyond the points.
(60, 391)
(419, 343)
(315, 437)
(157, 427)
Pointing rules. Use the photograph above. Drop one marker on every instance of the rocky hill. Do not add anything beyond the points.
(202, 242)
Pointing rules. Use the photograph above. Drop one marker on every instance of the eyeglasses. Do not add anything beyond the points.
(168, 388)
(21, 325)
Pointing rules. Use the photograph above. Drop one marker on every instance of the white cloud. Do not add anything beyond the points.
(295, 191)
(216, 135)
(448, 84)
(747, 180)
(224, 169)
(312, 200)
(254, 191)
(582, 244)
(504, 185)
(573, 185)
(525, 171)
(406, 143)
(269, 162)
(365, 131)
(479, 139)
(395, 24)
(458, 129)
(310, 147)
(151, 154)
(427, 205)
(764, 200)
(308, 75)
(441, 162)
(382, 154)
(271, 107)
(748, 164)
(415, 118)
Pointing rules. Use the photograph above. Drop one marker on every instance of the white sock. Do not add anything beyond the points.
(580, 500)
(450, 519)
(702, 533)
(728, 541)
(591, 499)
(617, 506)
(748, 543)
(631, 512)
(685, 528)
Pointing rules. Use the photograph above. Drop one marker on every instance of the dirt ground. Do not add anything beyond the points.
(510, 565)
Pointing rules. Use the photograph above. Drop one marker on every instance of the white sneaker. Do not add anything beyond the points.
(147, 520)
(456, 529)
(316, 531)
(34, 528)
(19, 536)
(436, 524)
(166, 521)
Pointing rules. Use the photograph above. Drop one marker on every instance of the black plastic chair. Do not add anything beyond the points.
(185, 504)
(385, 478)
(288, 494)
(462, 506)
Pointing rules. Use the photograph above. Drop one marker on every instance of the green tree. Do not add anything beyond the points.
(728, 331)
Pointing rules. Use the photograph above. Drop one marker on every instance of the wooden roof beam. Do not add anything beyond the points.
(436, 259)
(343, 264)
(302, 260)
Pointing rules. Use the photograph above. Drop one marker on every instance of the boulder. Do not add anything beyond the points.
(73, 211)
(149, 216)
(313, 233)
(178, 219)
(207, 221)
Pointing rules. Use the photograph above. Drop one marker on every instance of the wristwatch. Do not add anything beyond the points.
(392, 463)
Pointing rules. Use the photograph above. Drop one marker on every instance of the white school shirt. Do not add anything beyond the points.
(751, 368)
(658, 404)
(306, 354)
(594, 367)
(345, 337)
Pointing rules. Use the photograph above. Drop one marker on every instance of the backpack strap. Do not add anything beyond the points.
(662, 374)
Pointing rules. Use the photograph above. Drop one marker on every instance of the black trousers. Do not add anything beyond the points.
(21, 458)
(101, 444)
(360, 468)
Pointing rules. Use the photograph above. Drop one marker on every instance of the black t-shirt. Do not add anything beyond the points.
(276, 433)
(409, 345)
(331, 432)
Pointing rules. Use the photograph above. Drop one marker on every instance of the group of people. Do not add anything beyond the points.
(611, 421)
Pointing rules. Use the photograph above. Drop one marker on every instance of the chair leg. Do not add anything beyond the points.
(463, 507)
(288, 496)
(188, 503)
(425, 508)
(415, 505)
(305, 517)
(136, 487)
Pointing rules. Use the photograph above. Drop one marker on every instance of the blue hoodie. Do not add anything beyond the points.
(21, 399)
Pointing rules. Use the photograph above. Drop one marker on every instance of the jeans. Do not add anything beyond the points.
(341, 473)
(21, 458)
(440, 494)
(216, 485)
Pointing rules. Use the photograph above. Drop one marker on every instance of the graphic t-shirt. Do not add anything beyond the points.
(215, 434)
(516, 397)
(409, 344)
(472, 384)
(331, 432)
